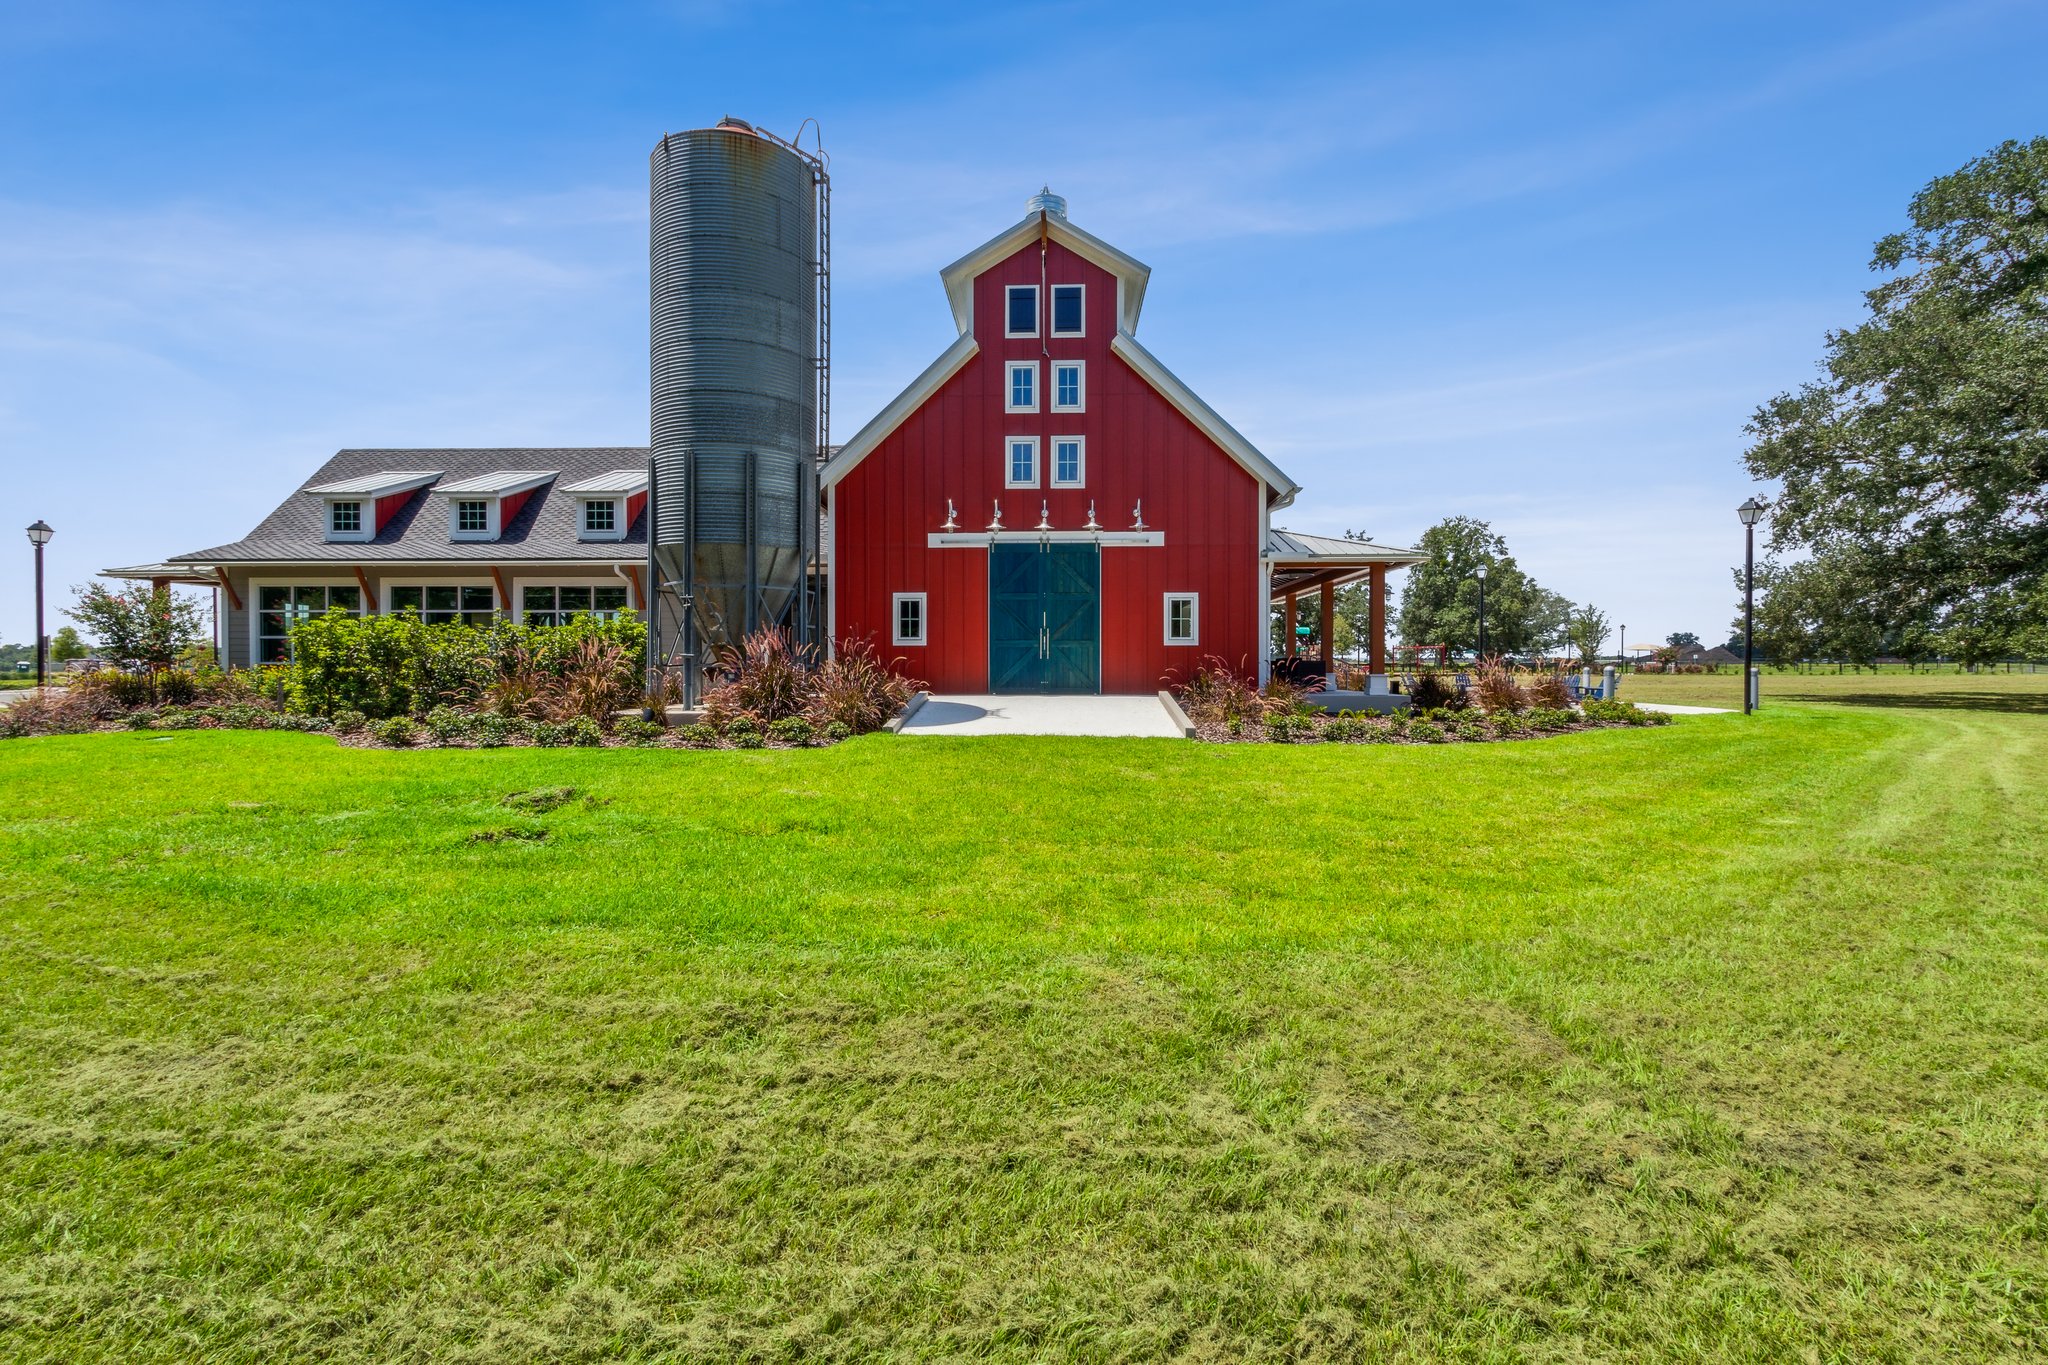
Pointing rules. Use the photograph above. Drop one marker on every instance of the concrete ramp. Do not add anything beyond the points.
(1117, 717)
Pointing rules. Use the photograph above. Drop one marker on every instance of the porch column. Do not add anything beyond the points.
(1378, 644)
(1293, 641)
(1324, 631)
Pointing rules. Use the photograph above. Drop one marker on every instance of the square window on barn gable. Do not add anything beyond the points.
(1020, 387)
(1020, 310)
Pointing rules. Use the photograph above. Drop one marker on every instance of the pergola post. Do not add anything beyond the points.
(1324, 630)
(1293, 640)
(1377, 646)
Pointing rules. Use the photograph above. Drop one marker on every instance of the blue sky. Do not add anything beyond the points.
(1533, 263)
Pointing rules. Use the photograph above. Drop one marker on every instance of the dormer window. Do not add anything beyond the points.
(608, 505)
(480, 508)
(357, 509)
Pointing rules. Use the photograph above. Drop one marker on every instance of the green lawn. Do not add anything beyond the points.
(1720, 1041)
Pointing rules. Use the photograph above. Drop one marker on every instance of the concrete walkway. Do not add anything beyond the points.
(1670, 710)
(1116, 716)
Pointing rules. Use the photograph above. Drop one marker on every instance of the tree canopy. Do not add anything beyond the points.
(144, 626)
(1914, 474)
(1440, 600)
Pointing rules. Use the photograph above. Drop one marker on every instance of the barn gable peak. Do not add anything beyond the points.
(1047, 215)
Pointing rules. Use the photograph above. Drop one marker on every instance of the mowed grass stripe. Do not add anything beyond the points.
(1718, 1041)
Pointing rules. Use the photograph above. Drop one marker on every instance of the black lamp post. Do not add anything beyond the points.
(1480, 574)
(1751, 512)
(39, 534)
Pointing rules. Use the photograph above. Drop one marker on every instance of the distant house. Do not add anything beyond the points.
(1717, 657)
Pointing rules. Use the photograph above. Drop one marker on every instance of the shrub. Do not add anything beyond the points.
(749, 739)
(838, 730)
(1547, 691)
(1290, 728)
(1623, 713)
(1470, 731)
(1551, 718)
(140, 720)
(1425, 731)
(450, 726)
(742, 725)
(175, 718)
(1496, 689)
(1343, 729)
(856, 689)
(1508, 725)
(305, 723)
(1381, 731)
(764, 676)
(242, 716)
(585, 732)
(548, 734)
(1216, 695)
(698, 735)
(492, 732)
(791, 730)
(634, 730)
(45, 712)
(1432, 692)
(348, 722)
(400, 732)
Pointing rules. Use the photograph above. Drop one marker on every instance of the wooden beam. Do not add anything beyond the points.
(1377, 647)
(504, 593)
(369, 598)
(1293, 640)
(234, 598)
(1329, 614)
(639, 589)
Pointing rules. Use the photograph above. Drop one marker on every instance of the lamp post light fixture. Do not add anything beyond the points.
(1750, 513)
(39, 534)
(1480, 574)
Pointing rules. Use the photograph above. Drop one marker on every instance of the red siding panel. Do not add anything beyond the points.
(1139, 447)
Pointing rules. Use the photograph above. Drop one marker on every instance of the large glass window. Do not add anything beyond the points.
(1023, 311)
(557, 605)
(1066, 310)
(445, 604)
(278, 609)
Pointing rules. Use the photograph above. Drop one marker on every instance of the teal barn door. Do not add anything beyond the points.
(1044, 618)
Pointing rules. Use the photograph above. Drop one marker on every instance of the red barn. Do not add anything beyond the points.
(1047, 508)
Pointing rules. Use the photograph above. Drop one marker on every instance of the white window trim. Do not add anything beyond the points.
(517, 610)
(924, 619)
(1052, 469)
(618, 531)
(1009, 441)
(388, 582)
(1010, 368)
(254, 597)
(1052, 395)
(1037, 309)
(1194, 601)
(490, 531)
(1051, 328)
(369, 521)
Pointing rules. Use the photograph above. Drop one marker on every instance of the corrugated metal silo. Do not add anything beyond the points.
(735, 257)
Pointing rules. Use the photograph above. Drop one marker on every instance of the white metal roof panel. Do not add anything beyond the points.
(380, 484)
(502, 483)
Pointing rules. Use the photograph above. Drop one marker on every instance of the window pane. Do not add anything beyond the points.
(346, 516)
(440, 599)
(273, 599)
(599, 516)
(1023, 381)
(1020, 462)
(309, 600)
(273, 652)
(1024, 308)
(1068, 466)
(538, 599)
(540, 618)
(349, 599)
(401, 598)
(438, 618)
(608, 599)
(1068, 378)
(270, 624)
(479, 599)
(472, 516)
(1066, 309)
(575, 599)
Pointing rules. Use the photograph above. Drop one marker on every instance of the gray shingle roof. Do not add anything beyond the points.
(545, 528)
